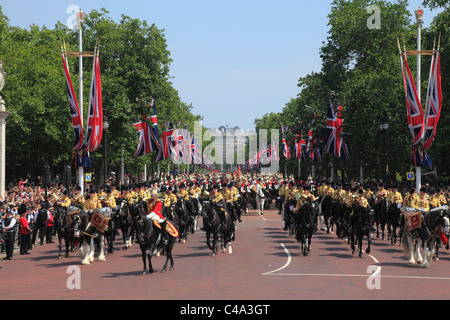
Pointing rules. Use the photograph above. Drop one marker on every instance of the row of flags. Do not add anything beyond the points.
(85, 143)
(310, 148)
(175, 143)
(422, 124)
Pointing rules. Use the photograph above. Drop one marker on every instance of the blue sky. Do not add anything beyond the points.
(234, 60)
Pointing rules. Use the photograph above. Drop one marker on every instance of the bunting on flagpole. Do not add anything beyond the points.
(75, 114)
(95, 114)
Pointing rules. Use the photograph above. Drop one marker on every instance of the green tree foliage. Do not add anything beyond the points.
(134, 62)
(362, 66)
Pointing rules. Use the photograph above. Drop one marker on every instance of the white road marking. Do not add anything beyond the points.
(378, 272)
(283, 267)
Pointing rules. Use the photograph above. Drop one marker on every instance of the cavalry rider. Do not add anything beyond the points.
(395, 197)
(306, 195)
(110, 201)
(434, 200)
(182, 192)
(410, 197)
(169, 199)
(78, 198)
(115, 192)
(441, 197)
(154, 208)
(218, 201)
(339, 194)
(421, 202)
(101, 193)
(64, 201)
(92, 203)
(381, 193)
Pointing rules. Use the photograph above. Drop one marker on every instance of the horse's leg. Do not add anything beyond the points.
(425, 263)
(369, 242)
(84, 252)
(101, 256)
(360, 245)
(144, 259)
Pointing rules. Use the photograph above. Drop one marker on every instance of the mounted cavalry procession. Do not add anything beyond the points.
(138, 177)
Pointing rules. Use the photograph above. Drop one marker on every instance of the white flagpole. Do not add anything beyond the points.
(419, 47)
(80, 20)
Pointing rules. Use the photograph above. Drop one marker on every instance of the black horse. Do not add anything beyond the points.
(212, 224)
(149, 238)
(327, 212)
(380, 218)
(68, 227)
(305, 220)
(183, 219)
(393, 222)
(361, 225)
(125, 223)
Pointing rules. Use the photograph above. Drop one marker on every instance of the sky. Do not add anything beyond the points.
(233, 60)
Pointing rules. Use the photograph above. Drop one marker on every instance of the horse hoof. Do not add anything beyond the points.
(163, 270)
(361, 255)
(171, 268)
(144, 272)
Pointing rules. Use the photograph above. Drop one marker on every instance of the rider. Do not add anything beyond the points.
(154, 208)
(421, 202)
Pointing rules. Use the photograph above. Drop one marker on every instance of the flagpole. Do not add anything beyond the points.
(80, 20)
(419, 19)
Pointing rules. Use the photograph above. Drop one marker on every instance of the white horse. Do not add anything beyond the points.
(423, 237)
(87, 250)
(94, 233)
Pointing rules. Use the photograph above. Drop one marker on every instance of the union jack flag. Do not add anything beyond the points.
(413, 106)
(148, 137)
(77, 122)
(334, 129)
(434, 102)
(286, 152)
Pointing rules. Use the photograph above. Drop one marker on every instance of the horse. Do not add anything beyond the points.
(94, 234)
(432, 222)
(339, 218)
(67, 224)
(305, 220)
(183, 218)
(380, 210)
(393, 222)
(360, 226)
(149, 238)
(327, 212)
(287, 216)
(125, 223)
(212, 224)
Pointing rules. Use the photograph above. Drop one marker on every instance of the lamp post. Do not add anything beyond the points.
(105, 156)
(384, 126)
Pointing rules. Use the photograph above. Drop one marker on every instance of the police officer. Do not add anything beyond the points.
(40, 219)
(9, 230)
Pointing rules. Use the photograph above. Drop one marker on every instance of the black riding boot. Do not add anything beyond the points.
(164, 235)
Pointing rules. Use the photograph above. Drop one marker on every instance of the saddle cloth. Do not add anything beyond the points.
(100, 219)
(169, 227)
(413, 220)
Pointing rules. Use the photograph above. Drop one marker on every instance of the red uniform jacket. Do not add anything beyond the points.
(155, 207)
(24, 226)
(50, 220)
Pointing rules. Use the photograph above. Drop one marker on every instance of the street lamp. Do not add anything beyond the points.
(105, 127)
(384, 126)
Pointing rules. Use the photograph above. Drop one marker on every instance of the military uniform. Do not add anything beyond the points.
(93, 202)
(421, 202)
